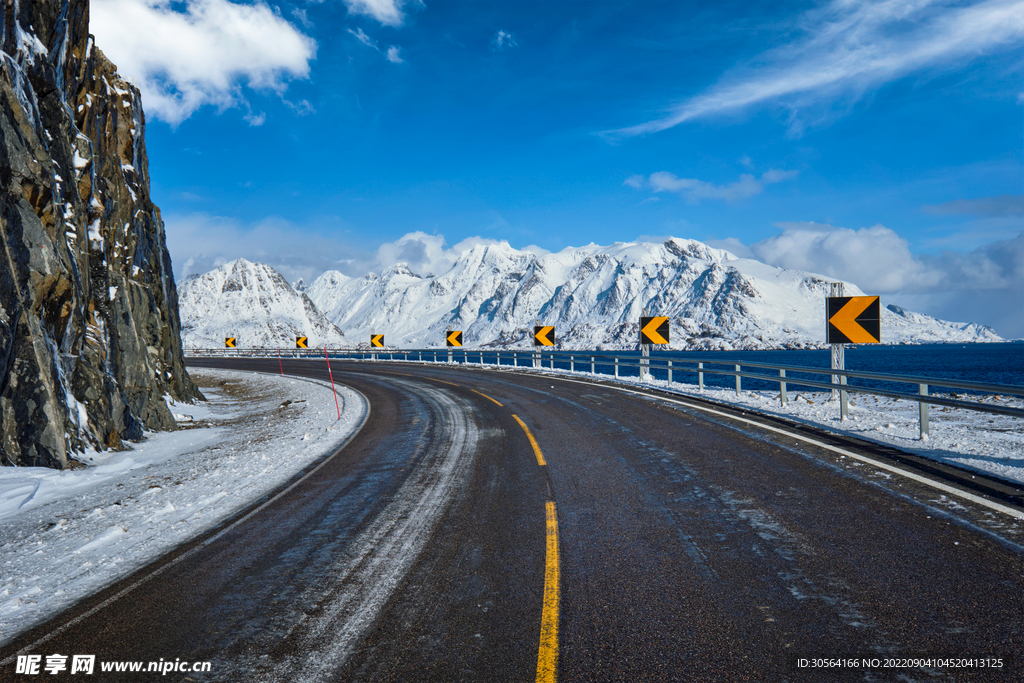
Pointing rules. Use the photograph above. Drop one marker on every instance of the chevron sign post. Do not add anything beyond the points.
(854, 320)
(654, 330)
(544, 335)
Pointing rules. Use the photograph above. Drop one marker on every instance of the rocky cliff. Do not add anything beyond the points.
(89, 331)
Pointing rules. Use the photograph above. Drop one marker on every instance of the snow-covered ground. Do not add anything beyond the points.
(66, 534)
(993, 444)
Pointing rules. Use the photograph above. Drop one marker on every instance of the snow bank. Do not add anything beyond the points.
(993, 444)
(66, 534)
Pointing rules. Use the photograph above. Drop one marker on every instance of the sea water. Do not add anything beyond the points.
(988, 363)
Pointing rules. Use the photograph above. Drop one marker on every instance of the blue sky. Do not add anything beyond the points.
(880, 142)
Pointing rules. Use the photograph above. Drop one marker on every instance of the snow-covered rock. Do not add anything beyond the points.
(253, 303)
(595, 295)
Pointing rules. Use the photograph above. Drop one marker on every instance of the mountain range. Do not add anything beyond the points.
(593, 295)
(253, 303)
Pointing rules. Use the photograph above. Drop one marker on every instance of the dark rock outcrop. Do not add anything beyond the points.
(89, 331)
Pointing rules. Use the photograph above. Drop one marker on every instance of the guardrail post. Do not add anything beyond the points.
(739, 381)
(616, 366)
(782, 388)
(572, 364)
(670, 373)
(497, 358)
(592, 372)
(844, 400)
(700, 376)
(551, 356)
(922, 389)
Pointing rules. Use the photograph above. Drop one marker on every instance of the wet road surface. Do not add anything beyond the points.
(689, 548)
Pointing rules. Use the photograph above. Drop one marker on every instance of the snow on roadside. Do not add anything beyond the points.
(66, 534)
(992, 444)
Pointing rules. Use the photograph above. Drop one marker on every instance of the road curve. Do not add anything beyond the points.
(689, 548)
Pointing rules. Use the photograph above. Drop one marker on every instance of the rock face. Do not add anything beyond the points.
(595, 295)
(253, 303)
(89, 332)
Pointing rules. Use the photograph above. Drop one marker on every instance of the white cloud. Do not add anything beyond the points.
(985, 285)
(849, 47)
(199, 242)
(300, 14)
(363, 38)
(503, 40)
(387, 12)
(635, 181)
(429, 254)
(392, 53)
(183, 60)
(875, 257)
(695, 190)
(425, 254)
(393, 56)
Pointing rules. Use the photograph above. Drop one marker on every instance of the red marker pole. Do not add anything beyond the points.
(332, 382)
(279, 362)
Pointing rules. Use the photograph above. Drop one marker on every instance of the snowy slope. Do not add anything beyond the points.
(595, 296)
(253, 303)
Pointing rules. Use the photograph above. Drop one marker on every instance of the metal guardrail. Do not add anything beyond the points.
(647, 365)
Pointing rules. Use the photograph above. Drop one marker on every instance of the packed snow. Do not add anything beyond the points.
(66, 534)
(989, 443)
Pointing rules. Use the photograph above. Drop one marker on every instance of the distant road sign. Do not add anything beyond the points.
(377, 341)
(229, 342)
(654, 330)
(454, 338)
(854, 320)
(302, 342)
(544, 336)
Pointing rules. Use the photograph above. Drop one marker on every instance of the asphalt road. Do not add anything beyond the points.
(632, 540)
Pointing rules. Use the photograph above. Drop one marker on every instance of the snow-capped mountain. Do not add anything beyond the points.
(253, 303)
(595, 295)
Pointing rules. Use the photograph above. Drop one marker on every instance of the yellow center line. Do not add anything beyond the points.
(533, 442)
(547, 655)
(485, 396)
(443, 382)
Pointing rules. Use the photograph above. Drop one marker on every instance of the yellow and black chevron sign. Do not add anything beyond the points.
(229, 342)
(454, 338)
(302, 342)
(377, 341)
(654, 330)
(854, 320)
(544, 336)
